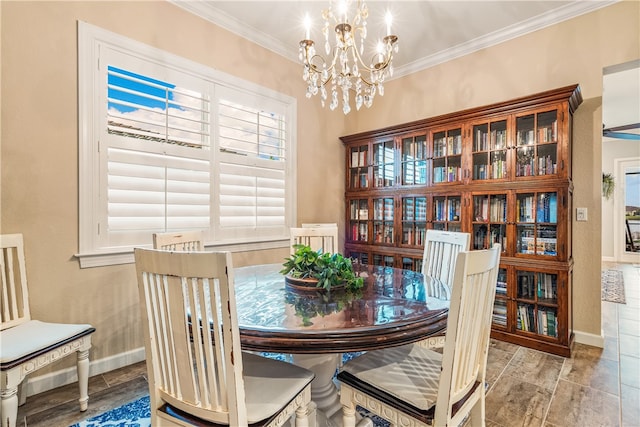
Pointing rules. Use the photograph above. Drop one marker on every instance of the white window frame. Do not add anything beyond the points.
(93, 42)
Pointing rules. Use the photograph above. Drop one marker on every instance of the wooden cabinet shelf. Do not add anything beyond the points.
(501, 173)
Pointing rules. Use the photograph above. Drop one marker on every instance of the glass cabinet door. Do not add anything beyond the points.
(447, 213)
(414, 220)
(414, 163)
(489, 151)
(358, 220)
(447, 156)
(537, 299)
(383, 260)
(412, 263)
(383, 164)
(489, 221)
(537, 144)
(358, 257)
(359, 167)
(383, 213)
(537, 223)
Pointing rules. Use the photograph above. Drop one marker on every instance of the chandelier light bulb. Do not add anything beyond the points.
(345, 69)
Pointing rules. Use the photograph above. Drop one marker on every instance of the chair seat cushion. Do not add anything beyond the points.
(410, 373)
(29, 338)
(270, 385)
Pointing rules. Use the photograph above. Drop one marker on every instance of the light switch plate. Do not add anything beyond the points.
(581, 214)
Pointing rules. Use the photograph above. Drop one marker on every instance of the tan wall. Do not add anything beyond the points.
(575, 51)
(40, 149)
(39, 157)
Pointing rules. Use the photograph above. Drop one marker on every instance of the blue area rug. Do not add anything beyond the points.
(132, 414)
(138, 412)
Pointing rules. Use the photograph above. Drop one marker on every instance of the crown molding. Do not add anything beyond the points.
(539, 22)
(207, 10)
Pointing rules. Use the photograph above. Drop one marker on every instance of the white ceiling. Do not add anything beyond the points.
(621, 96)
(430, 32)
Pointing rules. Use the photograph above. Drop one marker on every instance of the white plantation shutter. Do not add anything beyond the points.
(149, 192)
(168, 144)
(252, 134)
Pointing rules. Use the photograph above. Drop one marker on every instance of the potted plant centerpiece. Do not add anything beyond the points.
(314, 270)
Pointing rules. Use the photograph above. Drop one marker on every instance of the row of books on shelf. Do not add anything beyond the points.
(358, 212)
(447, 146)
(546, 209)
(541, 321)
(500, 313)
(383, 210)
(447, 173)
(547, 286)
(493, 210)
(358, 158)
(446, 210)
(414, 209)
(383, 233)
(537, 246)
(496, 170)
(359, 232)
(496, 140)
(527, 167)
(483, 238)
(548, 133)
(411, 236)
(359, 179)
(414, 150)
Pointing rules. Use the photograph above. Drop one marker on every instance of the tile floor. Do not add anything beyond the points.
(595, 387)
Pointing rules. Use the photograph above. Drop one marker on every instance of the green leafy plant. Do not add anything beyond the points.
(328, 269)
(608, 185)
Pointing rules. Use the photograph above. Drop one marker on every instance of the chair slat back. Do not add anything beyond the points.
(178, 290)
(14, 299)
(325, 238)
(468, 326)
(186, 241)
(441, 249)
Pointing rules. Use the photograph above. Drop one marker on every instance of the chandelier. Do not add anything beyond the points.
(346, 70)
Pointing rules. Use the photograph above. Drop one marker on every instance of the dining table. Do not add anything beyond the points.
(315, 327)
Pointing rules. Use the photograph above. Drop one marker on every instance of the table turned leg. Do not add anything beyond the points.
(323, 390)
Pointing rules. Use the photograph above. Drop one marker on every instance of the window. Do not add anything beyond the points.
(167, 144)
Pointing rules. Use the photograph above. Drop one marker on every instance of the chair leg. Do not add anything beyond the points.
(83, 378)
(22, 392)
(477, 414)
(349, 415)
(302, 416)
(9, 406)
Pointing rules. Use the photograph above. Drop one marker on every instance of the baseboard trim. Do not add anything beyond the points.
(42, 383)
(589, 339)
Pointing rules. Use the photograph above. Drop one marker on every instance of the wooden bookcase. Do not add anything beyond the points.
(500, 172)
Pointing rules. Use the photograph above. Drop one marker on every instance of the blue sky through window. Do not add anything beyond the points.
(139, 90)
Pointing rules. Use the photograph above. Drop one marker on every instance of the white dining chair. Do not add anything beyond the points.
(441, 249)
(320, 238)
(416, 386)
(192, 381)
(27, 344)
(188, 240)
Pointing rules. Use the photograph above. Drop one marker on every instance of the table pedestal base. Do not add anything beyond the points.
(325, 408)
